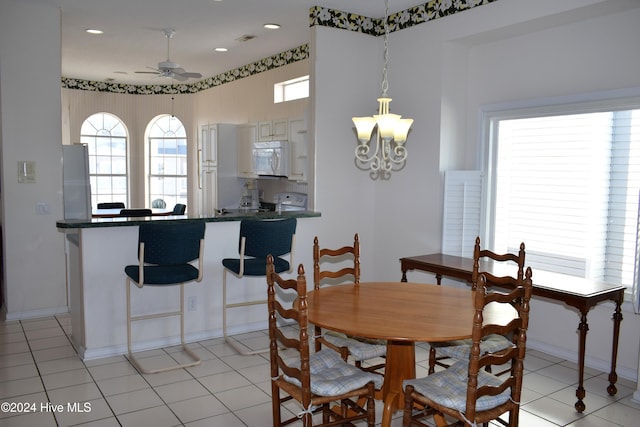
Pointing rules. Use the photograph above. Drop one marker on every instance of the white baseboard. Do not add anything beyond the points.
(590, 362)
(32, 314)
(116, 350)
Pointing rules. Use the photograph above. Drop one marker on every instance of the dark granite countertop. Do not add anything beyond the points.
(230, 216)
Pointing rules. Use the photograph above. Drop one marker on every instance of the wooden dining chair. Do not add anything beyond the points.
(360, 349)
(439, 353)
(467, 392)
(135, 212)
(316, 380)
(111, 205)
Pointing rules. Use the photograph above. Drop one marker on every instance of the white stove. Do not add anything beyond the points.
(291, 201)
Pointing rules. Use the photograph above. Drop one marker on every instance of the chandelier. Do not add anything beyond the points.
(387, 148)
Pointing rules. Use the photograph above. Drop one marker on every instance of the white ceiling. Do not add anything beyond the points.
(133, 38)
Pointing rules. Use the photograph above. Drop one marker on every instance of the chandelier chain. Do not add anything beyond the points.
(385, 82)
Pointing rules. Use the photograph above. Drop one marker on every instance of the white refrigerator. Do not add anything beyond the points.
(76, 187)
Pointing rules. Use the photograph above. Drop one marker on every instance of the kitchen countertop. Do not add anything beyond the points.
(229, 216)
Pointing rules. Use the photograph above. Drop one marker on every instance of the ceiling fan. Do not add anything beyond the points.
(168, 68)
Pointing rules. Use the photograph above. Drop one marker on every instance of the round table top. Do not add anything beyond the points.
(399, 311)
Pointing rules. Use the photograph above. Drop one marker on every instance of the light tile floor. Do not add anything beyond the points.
(44, 383)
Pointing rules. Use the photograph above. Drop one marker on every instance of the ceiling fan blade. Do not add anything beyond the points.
(192, 75)
(178, 77)
(147, 72)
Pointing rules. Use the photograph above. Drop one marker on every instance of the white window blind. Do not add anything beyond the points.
(461, 215)
(567, 185)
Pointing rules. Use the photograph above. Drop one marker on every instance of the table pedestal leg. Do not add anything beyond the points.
(400, 365)
(580, 392)
(613, 377)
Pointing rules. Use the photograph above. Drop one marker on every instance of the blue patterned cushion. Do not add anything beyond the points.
(332, 376)
(360, 348)
(460, 349)
(449, 388)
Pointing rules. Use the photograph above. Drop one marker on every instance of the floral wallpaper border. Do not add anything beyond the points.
(398, 21)
(319, 16)
(293, 55)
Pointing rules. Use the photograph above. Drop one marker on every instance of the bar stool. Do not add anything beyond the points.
(166, 251)
(258, 239)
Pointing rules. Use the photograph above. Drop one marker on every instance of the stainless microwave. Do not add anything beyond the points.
(271, 158)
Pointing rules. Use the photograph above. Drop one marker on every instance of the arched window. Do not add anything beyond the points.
(106, 138)
(167, 160)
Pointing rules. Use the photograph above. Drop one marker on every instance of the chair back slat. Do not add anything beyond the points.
(264, 237)
(507, 259)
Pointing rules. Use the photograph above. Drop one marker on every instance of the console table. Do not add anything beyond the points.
(582, 294)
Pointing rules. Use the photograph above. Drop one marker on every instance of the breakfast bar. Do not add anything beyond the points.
(576, 292)
(98, 249)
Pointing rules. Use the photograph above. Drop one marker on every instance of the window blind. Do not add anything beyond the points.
(567, 185)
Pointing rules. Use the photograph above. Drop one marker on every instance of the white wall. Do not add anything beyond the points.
(34, 263)
(479, 57)
(575, 59)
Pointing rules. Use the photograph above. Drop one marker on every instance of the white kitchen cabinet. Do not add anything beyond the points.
(273, 130)
(298, 150)
(208, 169)
(246, 136)
(217, 177)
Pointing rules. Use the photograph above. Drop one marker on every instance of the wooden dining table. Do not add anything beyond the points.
(402, 314)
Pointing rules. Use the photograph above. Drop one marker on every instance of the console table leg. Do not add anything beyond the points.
(580, 392)
(613, 377)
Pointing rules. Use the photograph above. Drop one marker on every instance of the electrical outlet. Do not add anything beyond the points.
(42, 208)
(192, 303)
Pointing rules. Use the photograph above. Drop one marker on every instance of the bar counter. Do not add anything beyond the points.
(97, 251)
(133, 221)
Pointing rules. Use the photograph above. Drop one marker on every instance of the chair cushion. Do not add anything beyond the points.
(449, 388)
(360, 348)
(332, 376)
(163, 275)
(460, 349)
(255, 266)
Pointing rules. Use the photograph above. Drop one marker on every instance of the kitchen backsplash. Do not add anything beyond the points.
(269, 187)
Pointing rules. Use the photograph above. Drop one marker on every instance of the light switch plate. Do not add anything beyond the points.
(26, 172)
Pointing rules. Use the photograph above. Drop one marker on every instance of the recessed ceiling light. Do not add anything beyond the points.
(272, 26)
(221, 49)
(94, 31)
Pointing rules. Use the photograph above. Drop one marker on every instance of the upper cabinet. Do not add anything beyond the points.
(273, 130)
(246, 136)
(298, 150)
